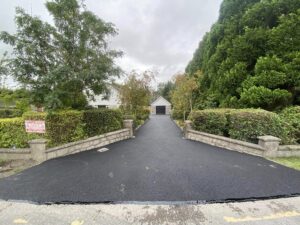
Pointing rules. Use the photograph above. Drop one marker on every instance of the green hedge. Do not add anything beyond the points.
(10, 113)
(179, 115)
(99, 121)
(142, 114)
(248, 124)
(61, 127)
(65, 126)
(213, 121)
(13, 134)
(241, 124)
(291, 119)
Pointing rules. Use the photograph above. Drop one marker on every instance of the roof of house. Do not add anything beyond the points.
(160, 101)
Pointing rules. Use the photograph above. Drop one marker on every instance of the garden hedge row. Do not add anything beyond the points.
(10, 113)
(61, 127)
(241, 124)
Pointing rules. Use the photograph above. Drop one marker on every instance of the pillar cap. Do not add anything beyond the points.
(269, 138)
(38, 141)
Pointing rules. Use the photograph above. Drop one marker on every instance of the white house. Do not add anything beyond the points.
(112, 101)
(161, 106)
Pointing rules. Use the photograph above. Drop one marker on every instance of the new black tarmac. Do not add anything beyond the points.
(156, 165)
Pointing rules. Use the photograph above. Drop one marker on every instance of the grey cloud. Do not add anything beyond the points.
(154, 34)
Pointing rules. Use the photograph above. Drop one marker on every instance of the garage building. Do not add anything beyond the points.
(161, 107)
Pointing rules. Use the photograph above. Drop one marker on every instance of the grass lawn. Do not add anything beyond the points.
(293, 162)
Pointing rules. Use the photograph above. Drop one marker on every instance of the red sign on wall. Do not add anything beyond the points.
(35, 126)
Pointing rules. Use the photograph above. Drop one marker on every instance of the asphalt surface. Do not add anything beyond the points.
(157, 165)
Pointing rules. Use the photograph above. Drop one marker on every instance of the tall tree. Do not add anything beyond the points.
(61, 63)
(249, 58)
(165, 89)
(182, 95)
(135, 93)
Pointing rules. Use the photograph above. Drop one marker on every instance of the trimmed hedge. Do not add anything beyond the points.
(213, 121)
(65, 126)
(178, 114)
(241, 124)
(291, 118)
(248, 124)
(13, 134)
(10, 113)
(99, 121)
(61, 127)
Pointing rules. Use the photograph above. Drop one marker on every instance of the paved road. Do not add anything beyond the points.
(284, 211)
(158, 165)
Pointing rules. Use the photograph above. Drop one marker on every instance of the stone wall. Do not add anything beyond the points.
(224, 142)
(15, 154)
(268, 146)
(87, 144)
(40, 153)
(288, 150)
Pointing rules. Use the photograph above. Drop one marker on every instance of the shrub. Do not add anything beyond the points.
(99, 121)
(12, 133)
(10, 113)
(248, 124)
(291, 120)
(179, 115)
(142, 114)
(65, 126)
(213, 121)
(34, 115)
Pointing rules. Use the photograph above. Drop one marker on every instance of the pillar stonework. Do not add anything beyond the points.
(187, 127)
(270, 144)
(38, 149)
(129, 125)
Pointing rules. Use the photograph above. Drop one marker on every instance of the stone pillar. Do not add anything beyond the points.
(186, 128)
(270, 144)
(129, 125)
(38, 149)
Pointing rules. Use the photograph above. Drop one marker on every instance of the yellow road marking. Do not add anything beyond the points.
(268, 217)
(77, 222)
(20, 221)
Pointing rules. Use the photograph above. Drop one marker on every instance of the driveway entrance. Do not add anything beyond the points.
(157, 165)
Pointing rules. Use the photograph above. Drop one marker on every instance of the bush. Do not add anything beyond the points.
(10, 113)
(13, 133)
(291, 119)
(248, 124)
(142, 114)
(63, 127)
(179, 115)
(213, 121)
(99, 121)
(34, 115)
(241, 124)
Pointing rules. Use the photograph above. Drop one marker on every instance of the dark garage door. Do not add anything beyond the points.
(161, 110)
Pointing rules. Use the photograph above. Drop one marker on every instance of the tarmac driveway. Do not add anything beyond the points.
(157, 165)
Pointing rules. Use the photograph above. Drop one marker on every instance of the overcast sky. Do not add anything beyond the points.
(159, 35)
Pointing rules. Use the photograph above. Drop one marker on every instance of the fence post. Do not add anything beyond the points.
(38, 149)
(270, 144)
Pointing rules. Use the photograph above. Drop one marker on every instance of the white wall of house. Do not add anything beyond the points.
(160, 101)
(112, 102)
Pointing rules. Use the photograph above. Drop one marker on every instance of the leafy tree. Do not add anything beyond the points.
(250, 57)
(60, 63)
(135, 93)
(165, 89)
(3, 69)
(182, 95)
